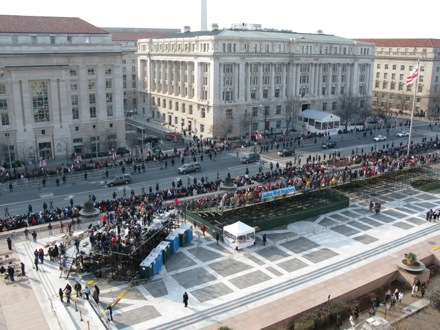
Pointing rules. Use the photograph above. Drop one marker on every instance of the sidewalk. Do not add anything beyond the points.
(18, 303)
(410, 305)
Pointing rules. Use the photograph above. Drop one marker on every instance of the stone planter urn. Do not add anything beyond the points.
(228, 184)
(410, 263)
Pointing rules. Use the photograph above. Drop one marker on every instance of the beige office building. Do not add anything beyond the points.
(60, 89)
(230, 83)
(395, 59)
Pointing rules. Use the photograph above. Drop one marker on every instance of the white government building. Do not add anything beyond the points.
(235, 82)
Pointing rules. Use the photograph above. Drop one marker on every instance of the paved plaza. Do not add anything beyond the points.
(224, 284)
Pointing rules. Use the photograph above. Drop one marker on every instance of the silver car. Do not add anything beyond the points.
(120, 179)
(190, 167)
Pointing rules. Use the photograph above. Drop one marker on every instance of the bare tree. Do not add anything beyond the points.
(291, 111)
(226, 127)
(349, 108)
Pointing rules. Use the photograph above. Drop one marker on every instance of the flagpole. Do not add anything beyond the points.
(412, 112)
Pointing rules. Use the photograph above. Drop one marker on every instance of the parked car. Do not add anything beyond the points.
(250, 158)
(379, 138)
(120, 179)
(286, 152)
(328, 145)
(402, 134)
(190, 167)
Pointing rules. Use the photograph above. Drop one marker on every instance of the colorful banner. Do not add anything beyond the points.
(278, 192)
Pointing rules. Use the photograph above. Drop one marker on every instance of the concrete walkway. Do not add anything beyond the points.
(298, 269)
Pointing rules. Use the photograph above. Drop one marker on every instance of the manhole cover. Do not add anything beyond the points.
(432, 243)
(408, 310)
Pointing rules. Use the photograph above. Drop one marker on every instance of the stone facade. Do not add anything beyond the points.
(230, 83)
(60, 89)
(395, 59)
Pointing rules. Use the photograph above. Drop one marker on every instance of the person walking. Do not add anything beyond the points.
(49, 227)
(26, 233)
(217, 237)
(61, 294)
(36, 263)
(11, 273)
(34, 236)
(185, 299)
(95, 294)
(264, 239)
(22, 266)
(86, 292)
(78, 289)
(9, 243)
(61, 227)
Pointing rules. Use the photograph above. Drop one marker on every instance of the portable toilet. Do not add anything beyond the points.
(173, 238)
(189, 230)
(146, 268)
(183, 236)
(157, 261)
(165, 247)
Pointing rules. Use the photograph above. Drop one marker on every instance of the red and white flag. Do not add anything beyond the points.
(412, 76)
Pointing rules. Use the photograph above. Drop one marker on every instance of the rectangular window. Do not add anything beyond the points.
(124, 81)
(108, 83)
(40, 100)
(52, 40)
(2, 89)
(277, 92)
(278, 124)
(91, 71)
(265, 93)
(255, 112)
(73, 85)
(92, 105)
(229, 114)
(133, 81)
(278, 110)
(108, 71)
(4, 112)
(202, 127)
(73, 72)
(91, 84)
(69, 39)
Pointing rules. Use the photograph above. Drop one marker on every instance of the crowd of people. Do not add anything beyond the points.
(316, 172)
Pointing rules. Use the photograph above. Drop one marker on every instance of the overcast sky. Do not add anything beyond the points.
(344, 18)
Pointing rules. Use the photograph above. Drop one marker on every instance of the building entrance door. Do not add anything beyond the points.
(45, 150)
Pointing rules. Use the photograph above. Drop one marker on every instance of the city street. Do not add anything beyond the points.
(77, 188)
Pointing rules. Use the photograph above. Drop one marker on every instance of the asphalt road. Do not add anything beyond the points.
(79, 189)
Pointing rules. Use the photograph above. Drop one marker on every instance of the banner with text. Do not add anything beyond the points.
(278, 192)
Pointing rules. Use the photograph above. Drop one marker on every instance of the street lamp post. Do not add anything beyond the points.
(8, 140)
(96, 141)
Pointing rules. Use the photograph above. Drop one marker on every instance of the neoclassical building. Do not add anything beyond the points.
(60, 89)
(395, 59)
(236, 82)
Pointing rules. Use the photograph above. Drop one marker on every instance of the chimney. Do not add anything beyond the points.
(186, 29)
(214, 27)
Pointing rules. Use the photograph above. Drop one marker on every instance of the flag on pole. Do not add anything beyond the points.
(412, 76)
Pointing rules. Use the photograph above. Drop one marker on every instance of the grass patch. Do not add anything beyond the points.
(426, 185)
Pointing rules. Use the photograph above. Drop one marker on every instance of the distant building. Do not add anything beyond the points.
(128, 38)
(395, 59)
(230, 83)
(60, 88)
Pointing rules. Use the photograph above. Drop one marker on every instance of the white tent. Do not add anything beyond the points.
(239, 235)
